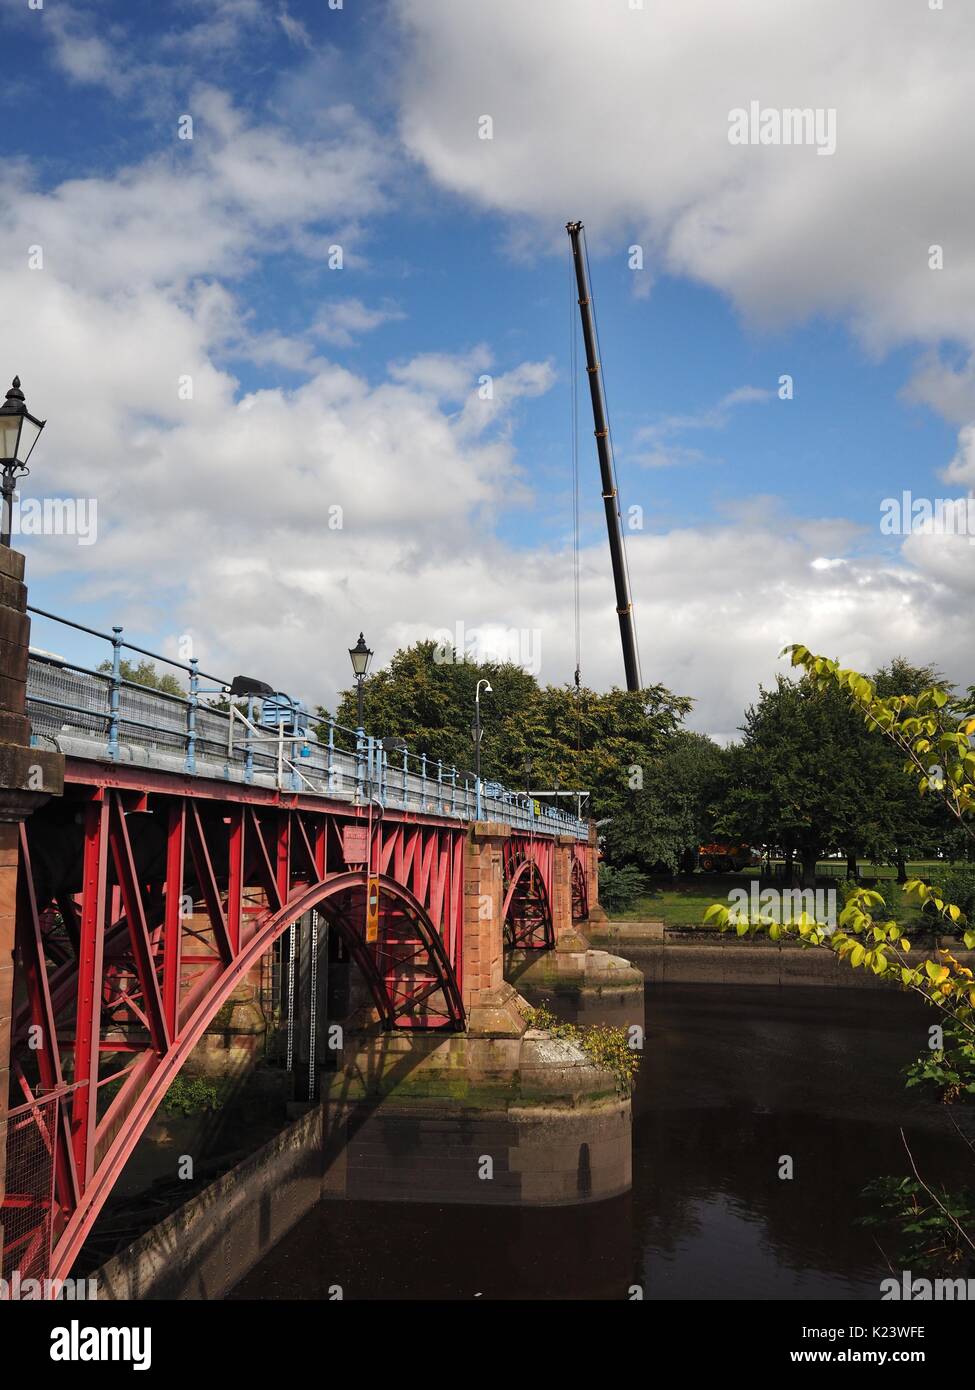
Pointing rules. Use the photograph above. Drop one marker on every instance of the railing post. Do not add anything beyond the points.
(114, 695)
(477, 799)
(406, 781)
(249, 742)
(330, 756)
(453, 791)
(439, 784)
(191, 717)
(423, 781)
(360, 752)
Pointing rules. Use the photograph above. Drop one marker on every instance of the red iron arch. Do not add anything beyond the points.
(527, 911)
(580, 891)
(110, 971)
(147, 1083)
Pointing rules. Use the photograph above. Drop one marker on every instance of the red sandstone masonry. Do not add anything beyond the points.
(16, 799)
(483, 901)
(562, 888)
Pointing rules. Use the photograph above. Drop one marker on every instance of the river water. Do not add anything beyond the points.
(732, 1080)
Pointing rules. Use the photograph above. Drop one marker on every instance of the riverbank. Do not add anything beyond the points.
(696, 955)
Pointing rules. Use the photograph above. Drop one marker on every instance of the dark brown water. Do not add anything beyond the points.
(732, 1080)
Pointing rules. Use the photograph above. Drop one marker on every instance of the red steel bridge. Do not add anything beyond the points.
(193, 832)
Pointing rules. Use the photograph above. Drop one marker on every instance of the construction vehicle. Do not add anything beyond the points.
(722, 857)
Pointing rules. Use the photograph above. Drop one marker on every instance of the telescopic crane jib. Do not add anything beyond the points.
(624, 605)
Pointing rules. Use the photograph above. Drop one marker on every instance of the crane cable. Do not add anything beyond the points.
(576, 562)
(612, 460)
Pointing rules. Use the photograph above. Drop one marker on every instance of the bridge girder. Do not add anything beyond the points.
(133, 930)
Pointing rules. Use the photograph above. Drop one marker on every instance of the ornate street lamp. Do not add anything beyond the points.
(477, 740)
(360, 656)
(19, 432)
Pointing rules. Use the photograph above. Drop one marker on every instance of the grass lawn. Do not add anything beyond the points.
(683, 901)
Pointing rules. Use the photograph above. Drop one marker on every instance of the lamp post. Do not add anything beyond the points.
(19, 432)
(360, 655)
(477, 740)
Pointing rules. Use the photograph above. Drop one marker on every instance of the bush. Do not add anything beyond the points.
(956, 884)
(191, 1096)
(607, 1048)
(619, 888)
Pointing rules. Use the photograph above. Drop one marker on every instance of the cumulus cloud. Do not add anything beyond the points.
(632, 106)
(272, 525)
(344, 320)
(962, 467)
(263, 523)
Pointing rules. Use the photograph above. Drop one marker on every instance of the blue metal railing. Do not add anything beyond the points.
(98, 713)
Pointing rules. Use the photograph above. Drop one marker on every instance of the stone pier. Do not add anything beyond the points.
(577, 983)
(28, 777)
(500, 1114)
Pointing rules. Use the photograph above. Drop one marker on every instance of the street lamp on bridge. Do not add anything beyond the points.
(488, 690)
(360, 655)
(19, 432)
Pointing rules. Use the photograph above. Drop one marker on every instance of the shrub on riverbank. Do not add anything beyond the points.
(619, 888)
(956, 884)
(606, 1047)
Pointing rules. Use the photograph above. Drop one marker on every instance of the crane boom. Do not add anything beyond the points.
(624, 604)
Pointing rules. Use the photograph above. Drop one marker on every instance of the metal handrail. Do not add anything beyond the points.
(186, 727)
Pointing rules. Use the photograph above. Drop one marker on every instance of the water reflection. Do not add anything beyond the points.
(733, 1081)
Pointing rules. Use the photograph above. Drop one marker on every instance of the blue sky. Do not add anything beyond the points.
(456, 262)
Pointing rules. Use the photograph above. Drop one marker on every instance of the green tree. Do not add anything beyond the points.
(670, 809)
(145, 673)
(576, 740)
(809, 779)
(796, 782)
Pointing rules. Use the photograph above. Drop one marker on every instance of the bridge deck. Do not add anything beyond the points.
(101, 717)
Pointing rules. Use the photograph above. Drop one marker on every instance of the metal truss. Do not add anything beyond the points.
(529, 870)
(580, 885)
(144, 898)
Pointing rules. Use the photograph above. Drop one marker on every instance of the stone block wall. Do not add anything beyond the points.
(28, 776)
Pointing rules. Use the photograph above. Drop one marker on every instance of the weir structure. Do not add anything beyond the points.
(154, 848)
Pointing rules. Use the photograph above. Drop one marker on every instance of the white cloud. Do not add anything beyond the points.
(962, 467)
(95, 51)
(629, 108)
(294, 29)
(343, 320)
(446, 378)
(214, 513)
(205, 208)
(665, 453)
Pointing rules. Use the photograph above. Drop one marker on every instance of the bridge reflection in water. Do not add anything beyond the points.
(732, 1078)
